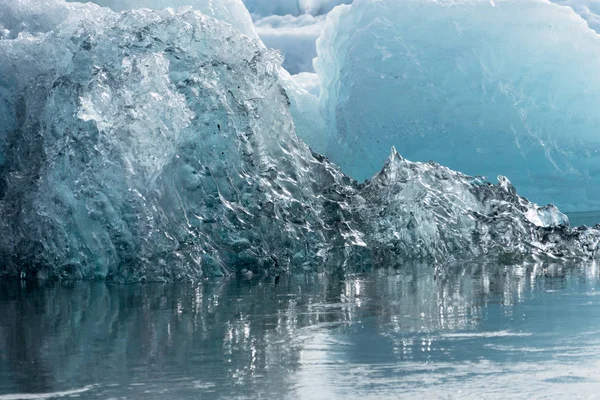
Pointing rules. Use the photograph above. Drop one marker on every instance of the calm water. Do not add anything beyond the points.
(516, 332)
(590, 218)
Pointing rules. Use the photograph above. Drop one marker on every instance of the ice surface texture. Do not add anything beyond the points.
(231, 11)
(159, 145)
(293, 29)
(486, 87)
(152, 144)
(304, 105)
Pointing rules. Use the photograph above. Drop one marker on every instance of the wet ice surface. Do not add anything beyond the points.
(525, 332)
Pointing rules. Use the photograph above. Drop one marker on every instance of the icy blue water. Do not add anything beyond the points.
(518, 332)
(584, 218)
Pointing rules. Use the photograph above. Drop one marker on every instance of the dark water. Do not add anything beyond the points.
(590, 218)
(493, 333)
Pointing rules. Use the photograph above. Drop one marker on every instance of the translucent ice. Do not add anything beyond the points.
(588, 9)
(151, 144)
(486, 87)
(292, 27)
(160, 145)
(231, 11)
(298, 48)
(427, 211)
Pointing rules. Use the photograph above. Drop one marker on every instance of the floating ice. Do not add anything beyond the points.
(151, 145)
(507, 87)
(304, 105)
(159, 145)
(427, 211)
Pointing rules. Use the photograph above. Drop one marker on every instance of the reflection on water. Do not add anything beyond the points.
(527, 331)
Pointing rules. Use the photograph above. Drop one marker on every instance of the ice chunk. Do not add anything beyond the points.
(20, 16)
(427, 211)
(159, 145)
(492, 88)
(305, 107)
(152, 145)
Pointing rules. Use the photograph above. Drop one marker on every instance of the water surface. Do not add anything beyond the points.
(589, 218)
(475, 332)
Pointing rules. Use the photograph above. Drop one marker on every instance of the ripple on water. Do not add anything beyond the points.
(476, 332)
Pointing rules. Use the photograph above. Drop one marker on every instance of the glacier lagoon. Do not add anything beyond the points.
(139, 144)
(494, 333)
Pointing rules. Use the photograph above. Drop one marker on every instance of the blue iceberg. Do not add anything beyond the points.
(161, 145)
(485, 87)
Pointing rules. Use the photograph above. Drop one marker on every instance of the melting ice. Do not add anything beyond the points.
(161, 145)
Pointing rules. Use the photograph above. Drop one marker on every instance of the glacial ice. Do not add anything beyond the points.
(305, 109)
(231, 11)
(148, 141)
(504, 87)
(304, 105)
(309, 81)
(159, 145)
(587, 9)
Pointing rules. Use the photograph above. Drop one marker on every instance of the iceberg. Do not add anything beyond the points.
(425, 211)
(302, 91)
(149, 144)
(485, 87)
(160, 145)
